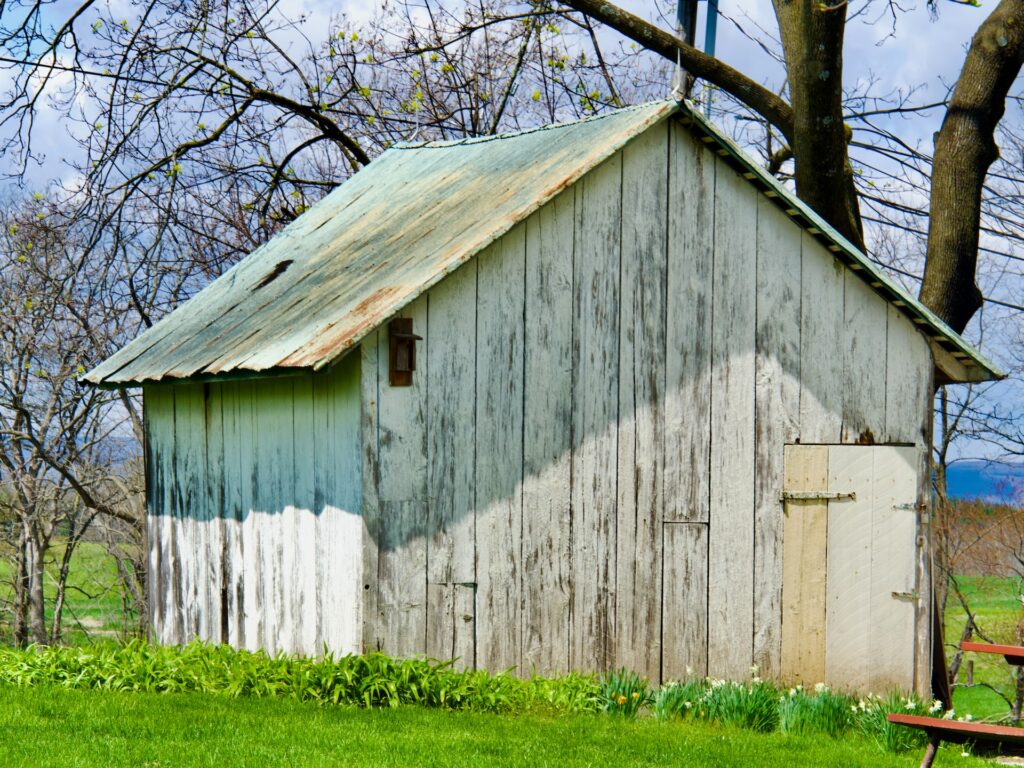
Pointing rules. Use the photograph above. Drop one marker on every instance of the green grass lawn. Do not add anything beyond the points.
(54, 727)
(997, 607)
(93, 605)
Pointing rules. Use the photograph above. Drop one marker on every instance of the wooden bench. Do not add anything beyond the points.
(1009, 740)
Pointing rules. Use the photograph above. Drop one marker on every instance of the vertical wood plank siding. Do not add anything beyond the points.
(235, 522)
(731, 538)
(641, 440)
(451, 395)
(777, 417)
(547, 436)
(586, 471)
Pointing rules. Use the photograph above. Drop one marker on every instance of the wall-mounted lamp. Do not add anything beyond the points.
(402, 351)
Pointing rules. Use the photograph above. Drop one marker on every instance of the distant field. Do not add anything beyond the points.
(998, 609)
(41, 727)
(93, 607)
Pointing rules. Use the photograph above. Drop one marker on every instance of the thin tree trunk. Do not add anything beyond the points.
(965, 147)
(61, 588)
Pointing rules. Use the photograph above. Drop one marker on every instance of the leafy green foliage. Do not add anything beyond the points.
(819, 711)
(676, 699)
(374, 680)
(871, 713)
(624, 693)
(753, 705)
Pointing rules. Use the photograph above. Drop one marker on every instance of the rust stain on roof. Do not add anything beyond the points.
(366, 250)
(413, 216)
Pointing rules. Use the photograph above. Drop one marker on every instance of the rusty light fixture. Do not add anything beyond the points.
(402, 351)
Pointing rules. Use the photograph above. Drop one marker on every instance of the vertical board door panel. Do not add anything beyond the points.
(893, 568)
(305, 635)
(850, 566)
(848, 622)
(684, 639)
(803, 561)
(872, 561)
(731, 542)
(190, 477)
(253, 574)
(688, 329)
(547, 425)
(641, 437)
(499, 450)
(231, 513)
(595, 413)
(336, 517)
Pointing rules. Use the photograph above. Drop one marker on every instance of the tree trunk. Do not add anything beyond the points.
(35, 572)
(812, 41)
(21, 593)
(61, 587)
(965, 147)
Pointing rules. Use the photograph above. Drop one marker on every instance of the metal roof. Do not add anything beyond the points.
(400, 225)
(394, 229)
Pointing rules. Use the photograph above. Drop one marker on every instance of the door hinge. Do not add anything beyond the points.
(817, 495)
(907, 597)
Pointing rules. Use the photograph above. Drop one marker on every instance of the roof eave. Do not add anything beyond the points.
(956, 360)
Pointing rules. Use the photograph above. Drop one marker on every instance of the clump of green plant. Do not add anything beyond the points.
(678, 699)
(820, 710)
(753, 705)
(624, 693)
(373, 680)
(870, 714)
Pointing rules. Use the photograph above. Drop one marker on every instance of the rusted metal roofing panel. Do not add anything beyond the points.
(415, 214)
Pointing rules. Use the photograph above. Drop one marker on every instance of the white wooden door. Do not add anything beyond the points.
(862, 520)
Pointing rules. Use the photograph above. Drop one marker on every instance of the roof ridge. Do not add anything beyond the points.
(442, 143)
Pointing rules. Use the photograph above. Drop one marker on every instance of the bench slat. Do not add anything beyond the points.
(1014, 654)
(958, 732)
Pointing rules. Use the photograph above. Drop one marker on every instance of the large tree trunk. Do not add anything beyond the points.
(965, 147)
(812, 41)
(812, 36)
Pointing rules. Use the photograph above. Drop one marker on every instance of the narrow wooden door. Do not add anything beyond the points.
(849, 566)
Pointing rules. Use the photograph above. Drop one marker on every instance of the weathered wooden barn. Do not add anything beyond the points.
(596, 395)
